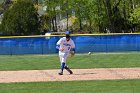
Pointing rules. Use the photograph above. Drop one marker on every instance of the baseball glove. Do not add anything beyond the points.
(72, 53)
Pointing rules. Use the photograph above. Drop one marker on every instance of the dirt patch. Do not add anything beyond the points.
(78, 74)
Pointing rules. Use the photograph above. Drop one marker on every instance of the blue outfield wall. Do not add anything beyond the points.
(84, 44)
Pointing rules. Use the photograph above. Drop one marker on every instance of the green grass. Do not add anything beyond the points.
(33, 62)
(110, 86)
(96, 60)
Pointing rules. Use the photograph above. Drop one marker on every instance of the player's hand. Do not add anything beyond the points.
(61, 49)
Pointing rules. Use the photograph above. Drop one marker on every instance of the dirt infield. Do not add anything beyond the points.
(79, 74)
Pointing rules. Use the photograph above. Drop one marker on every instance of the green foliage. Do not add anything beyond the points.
(92, 16)
(20, 19)
(44, 22)
(95, 15)
(135, 16)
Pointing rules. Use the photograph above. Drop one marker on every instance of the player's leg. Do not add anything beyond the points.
(63, 62)
(68, 69)
(61, 70)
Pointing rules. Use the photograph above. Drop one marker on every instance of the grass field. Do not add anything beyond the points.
(115, 86)
(33, 62)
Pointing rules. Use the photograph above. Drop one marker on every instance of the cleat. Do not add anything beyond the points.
(68, 69)
(60, 73)
(71, 72)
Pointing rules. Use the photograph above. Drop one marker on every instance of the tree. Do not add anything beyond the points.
(135, 18)
(44, 23)
(79, 7)
(21, 18)
(101, 15)
(52, 13)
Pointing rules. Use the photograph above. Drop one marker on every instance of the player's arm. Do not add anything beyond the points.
(73, 46)
(58, 45)
(72, 51)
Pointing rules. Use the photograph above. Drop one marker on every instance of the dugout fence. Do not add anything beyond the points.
(16, 45)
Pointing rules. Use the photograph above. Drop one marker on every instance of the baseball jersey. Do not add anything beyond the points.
(66, 45)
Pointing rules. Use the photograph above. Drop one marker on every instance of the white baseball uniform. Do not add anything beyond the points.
(67, 46)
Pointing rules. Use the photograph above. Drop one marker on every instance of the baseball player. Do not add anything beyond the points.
(65, 46)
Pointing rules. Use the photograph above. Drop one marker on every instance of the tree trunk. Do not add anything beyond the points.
(80, 21)
(53, 24)
(125, 17)
(117, 18)
(67, 21)
(99, 14)
(67, 15)
(131, 5)
(109, 14)
(50, 24)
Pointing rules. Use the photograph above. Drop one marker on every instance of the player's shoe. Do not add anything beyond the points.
(60, 73)
(68, 69)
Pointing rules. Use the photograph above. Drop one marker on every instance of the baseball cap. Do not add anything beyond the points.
(67, 33)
